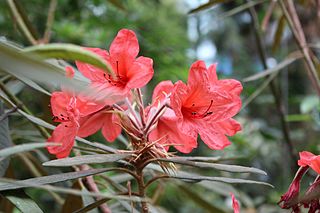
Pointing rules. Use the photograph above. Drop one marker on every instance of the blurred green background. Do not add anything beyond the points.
(174, 38)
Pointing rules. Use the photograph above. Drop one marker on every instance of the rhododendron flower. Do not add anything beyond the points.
(235, 204)
(309, 159)
(290, 198)
(68, 109)
(204, 105)
(129, 72)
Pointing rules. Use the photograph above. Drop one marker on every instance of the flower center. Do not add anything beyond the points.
(118, 80)
(195, 111)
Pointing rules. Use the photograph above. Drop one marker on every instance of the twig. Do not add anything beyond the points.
(50, 19)
(277, 98)
(296, 28)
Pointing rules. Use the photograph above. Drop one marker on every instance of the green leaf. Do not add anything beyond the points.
(92, 205)
(205, 6)
(298, 117)
(69, 52)
(22, 201)
(198, 178)
(86, 159)
(279, 32)
(5, 140)
(222, 167)
(38, 181)
(70, 191)
(23, 65)
(24, 148)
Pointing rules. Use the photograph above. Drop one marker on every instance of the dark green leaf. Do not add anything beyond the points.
(19, 64)
(92, 205)
(38, 181)
(279, 33)
(22, 201)
(24, 148)
(86, 159)
(5, 140)
(222, 167)
(197, 178)
(68, 52)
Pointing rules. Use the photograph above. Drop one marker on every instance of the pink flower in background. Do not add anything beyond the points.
(235, 204)
(68, 109)
(129, 72)
(309, 159)
(204, 105)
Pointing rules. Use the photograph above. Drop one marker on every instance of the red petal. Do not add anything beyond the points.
(213, 135)
(315, 164)
(179, 94)
(124, 49)
(229, 127)
(212, 73)
(140, 72)
(64, 135)
(90, 125)
(305, 158)
(198, 76)
(69, 72)
(59, 101)
(111, 129)
(91, 72)
(235, 204)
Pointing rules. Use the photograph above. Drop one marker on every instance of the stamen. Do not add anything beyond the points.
(206, 113)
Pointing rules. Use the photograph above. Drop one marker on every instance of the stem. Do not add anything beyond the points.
(297, 31)
(277, 98)
(50, 19)
(154, 118)
(141, 186)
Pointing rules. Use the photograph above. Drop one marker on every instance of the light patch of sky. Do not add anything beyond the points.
(206, 51)
(98, 10)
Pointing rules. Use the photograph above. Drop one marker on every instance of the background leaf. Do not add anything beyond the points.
(5, 140)
(22, 201)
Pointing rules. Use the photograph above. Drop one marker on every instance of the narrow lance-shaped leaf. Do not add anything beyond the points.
(86, 159)
(17, 63)
(218, 179)
(38, 181)
(24, 148)
(5, 140)
(22, 201)
(72, 191)
(69, 52)
(222, 167)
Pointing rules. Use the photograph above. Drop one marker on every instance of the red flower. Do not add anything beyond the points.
(129, 72)
(67, 109)
(235, 204)
(291, 198)
(205, 106)
(167, 131)
(309, 159)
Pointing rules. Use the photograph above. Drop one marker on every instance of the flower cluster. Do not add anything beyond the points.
(178, 112)
(310, 199)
